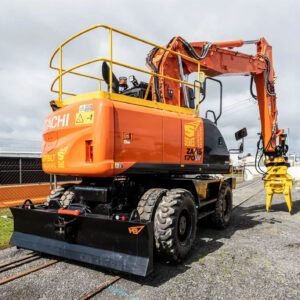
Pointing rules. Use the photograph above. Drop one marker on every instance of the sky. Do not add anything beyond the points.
(30, 31)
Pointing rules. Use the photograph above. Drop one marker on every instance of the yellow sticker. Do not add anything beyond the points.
(61, 157)
(85, 117)
(192, 134)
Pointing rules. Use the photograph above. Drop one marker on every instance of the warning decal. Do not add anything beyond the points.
(85, 117)
(192, 141)
(193, 137)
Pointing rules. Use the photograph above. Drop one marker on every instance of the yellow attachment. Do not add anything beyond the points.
(278, 181)
(126, 99)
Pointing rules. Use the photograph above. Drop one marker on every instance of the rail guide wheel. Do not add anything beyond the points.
(223, 208)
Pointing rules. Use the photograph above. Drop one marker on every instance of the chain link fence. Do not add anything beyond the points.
(19, 170)
(22, 178)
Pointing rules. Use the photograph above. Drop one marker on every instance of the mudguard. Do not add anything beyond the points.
(95, 239)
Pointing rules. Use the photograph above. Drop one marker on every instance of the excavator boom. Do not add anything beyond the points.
(218, 59)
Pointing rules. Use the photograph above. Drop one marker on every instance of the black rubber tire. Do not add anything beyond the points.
(149, 202)
(177, 205)
(220, 219)
(61, 194)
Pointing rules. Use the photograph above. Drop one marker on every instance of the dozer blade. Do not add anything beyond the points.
(118, 245)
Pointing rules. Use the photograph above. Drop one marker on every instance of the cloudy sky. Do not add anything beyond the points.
(31, 30)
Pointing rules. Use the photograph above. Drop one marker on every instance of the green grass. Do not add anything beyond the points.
(6, 228)
(239, 177)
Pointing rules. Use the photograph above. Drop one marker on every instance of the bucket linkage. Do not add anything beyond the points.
(278, 181)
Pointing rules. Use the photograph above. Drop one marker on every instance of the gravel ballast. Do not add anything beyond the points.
(256, 257)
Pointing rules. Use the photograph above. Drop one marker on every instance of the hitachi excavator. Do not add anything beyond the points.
(150, 166)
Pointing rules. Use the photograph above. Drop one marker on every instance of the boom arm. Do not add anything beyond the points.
(216, 60)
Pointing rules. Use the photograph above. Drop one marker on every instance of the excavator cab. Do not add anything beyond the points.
(137, 90)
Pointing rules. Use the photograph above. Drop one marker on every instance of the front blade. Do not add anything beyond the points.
(119, 245)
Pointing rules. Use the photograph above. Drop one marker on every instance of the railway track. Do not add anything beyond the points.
(14, 263)
(100, 288)
(251, 196)
(26, 259)
(249, 184)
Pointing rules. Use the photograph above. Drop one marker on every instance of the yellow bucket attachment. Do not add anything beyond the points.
(278, 181)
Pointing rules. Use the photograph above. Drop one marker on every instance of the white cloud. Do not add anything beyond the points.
(31, 30)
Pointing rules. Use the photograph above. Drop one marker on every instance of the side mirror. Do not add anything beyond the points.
(241, 149)
(241, 134)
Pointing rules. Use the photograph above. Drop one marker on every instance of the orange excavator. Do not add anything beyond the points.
(150, 166)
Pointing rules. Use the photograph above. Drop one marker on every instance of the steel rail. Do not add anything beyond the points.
(250, 197)
(100, 288)
(39, 267)
(247, 199)
(20, 263)
(247, 185)
(19, 259)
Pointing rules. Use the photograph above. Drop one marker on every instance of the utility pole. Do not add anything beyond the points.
(289, 140)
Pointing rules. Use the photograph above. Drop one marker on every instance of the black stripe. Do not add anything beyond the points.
(274, 164)
(165, 168)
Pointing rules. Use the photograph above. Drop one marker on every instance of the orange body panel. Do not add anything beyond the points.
(64, 143)
(121, 134)
(171, 138)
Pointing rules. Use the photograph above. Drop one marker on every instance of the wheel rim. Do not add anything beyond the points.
(184, 226)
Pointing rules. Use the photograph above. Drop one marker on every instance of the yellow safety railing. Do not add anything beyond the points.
(62, 71)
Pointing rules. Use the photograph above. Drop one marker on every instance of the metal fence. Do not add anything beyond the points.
(238, 173)
(19, 170)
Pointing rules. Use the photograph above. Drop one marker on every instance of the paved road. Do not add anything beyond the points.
(257, 257)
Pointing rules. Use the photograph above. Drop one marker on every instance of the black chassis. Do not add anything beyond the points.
(100, 236)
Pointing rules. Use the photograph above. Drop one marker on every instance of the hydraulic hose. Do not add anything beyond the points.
(251, 87)
(188, 48)
(267, 81)
(257, 161)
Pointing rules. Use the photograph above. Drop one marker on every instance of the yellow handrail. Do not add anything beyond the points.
(122, 33)
(62, 72)
(122, 65)
(80, 74)
(74, 73)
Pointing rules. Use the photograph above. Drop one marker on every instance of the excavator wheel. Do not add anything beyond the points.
(175, 225)
(223, 208)
(62, 195)
(149, 202)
